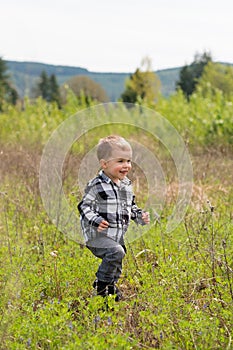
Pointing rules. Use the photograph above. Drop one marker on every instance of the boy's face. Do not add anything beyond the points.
(117, 166)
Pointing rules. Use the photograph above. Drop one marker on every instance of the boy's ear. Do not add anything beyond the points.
(103, 163)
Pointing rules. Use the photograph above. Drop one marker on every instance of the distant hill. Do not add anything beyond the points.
(25, 75)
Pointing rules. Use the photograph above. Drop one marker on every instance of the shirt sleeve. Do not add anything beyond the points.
(136, 213)
(87, 207)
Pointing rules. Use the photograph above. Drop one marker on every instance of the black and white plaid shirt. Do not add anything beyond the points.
(105, 200)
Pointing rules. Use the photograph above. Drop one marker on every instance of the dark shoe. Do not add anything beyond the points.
(101, 287)
(113, 290)
(105, 288)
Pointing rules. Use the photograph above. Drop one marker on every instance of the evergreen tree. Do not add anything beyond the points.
(7, 92)
(48, 88)
(54, 90)
(130, 94)
(44, 86)
(190, 74)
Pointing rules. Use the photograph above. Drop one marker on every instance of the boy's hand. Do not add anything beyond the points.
(146, 217)
(103, 226)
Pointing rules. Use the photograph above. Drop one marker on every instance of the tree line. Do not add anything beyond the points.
(143, 86)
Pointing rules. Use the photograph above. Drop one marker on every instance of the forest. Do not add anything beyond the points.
(177, 284)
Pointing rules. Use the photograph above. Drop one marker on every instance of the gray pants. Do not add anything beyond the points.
(112, 254)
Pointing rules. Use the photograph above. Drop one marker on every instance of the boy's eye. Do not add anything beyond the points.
(122, 161)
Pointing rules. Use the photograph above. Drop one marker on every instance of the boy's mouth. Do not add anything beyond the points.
(124, 172)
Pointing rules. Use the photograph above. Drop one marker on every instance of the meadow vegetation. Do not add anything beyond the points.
(177, 286)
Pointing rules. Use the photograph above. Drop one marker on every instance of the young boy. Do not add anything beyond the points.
(106, 209)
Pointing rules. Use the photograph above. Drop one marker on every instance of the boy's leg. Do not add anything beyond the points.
(111, 265)
(110, 268)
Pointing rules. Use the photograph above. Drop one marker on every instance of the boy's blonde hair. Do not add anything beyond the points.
(107, 144)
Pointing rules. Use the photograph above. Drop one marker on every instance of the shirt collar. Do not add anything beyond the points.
(105, 178)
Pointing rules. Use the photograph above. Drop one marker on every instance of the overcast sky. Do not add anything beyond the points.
(114, 36)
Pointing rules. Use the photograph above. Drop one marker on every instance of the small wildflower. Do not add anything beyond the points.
(70, 325)
(109, 321)
(97, 319)
(54, 253)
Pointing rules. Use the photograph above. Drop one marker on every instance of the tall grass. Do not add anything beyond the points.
(177, 286)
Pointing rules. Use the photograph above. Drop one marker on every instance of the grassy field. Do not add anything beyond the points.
(177, 286)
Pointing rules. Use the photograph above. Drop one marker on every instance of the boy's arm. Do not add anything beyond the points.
(138, 215)
(86, 207)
